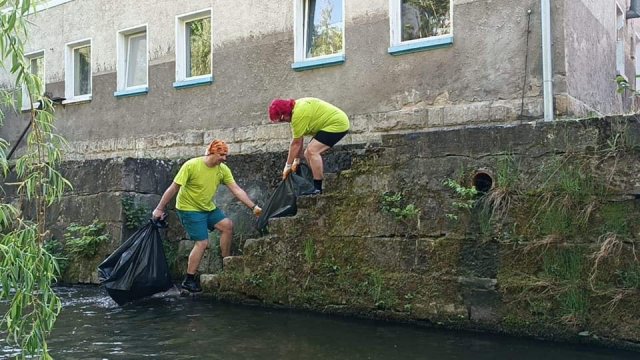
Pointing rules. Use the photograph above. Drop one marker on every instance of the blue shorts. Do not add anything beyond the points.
(198, 223)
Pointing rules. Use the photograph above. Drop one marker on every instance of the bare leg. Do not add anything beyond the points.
(313, 154)
(196, 256)
(226, 234)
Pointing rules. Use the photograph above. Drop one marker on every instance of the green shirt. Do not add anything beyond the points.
(311, 115)
(199, 183)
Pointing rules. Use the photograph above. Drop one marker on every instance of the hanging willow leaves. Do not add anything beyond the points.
(27, 270)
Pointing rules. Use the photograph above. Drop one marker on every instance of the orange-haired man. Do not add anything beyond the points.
(196, 184)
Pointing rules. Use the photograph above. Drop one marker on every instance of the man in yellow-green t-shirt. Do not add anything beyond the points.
(196, 184)
(310, 116)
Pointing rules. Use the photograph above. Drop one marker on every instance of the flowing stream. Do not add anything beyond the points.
(92, 326)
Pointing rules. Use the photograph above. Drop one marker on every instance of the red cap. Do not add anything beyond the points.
(280, 107)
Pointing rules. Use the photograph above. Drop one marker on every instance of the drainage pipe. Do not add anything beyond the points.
(547, 72)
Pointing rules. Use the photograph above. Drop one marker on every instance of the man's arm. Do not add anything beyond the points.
(159, 211)
(295, 149)
(244, 198)
(293, 159)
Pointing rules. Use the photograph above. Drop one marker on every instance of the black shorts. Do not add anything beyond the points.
(328, 138)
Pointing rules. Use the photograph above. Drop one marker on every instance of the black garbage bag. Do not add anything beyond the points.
(138, 268)
(283, 201)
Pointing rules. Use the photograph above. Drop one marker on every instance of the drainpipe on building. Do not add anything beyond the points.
(547, 73)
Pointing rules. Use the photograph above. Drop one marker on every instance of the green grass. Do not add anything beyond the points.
(555, 220)
(574, 304)
(630, 277)
(507, 173)
(309, 251)
(566, 265)
(615, 219)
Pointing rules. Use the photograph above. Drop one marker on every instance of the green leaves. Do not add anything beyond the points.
(27, 270)
(394, 204)
(86, 240)
(134, 214)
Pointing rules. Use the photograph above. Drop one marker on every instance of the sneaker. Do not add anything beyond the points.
(316, 192)
(191, 286)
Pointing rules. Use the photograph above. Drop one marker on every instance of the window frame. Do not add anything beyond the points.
(301, 61)
(182, 81)
(399, 47)
(123, 41)
(69, 77)
(30, 56)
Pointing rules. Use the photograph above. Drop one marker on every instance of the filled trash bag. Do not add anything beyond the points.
(283, 201)
(138, 268)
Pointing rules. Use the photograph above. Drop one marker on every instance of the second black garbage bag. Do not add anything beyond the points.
(283, 200)
(138, 268)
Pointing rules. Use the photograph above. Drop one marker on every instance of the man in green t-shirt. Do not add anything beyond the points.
(310, 116)
(196, 184)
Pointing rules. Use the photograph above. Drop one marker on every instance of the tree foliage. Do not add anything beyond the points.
(200, 47)
(425, 18)
(326, 39)
(27, 270)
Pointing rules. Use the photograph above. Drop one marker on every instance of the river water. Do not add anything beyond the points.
(92, 326)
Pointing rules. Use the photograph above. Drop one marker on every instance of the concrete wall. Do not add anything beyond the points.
(477, 80)
(533, 256)
(589, 28)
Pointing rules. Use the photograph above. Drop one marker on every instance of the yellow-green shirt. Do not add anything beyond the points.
(311, 115)
(199, 183)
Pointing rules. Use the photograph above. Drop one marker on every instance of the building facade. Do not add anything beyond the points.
(158, 79)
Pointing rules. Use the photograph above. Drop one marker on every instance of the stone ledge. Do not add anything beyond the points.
(366, 128)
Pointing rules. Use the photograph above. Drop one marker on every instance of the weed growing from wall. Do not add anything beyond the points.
(565, 206)
(563, 198)
(309, 251)
(466, 197)
(503, 194)
(564, 270)
(134, 214)
(407, 214)
(85, 240)
(171, 253)
(629, 278)
(394, 203)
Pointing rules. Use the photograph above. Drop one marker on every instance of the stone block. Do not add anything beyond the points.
(233, 264)
(361, 123)
(228, 135)
(435, 116)
(401, 120)
(466, 113)
(209, 282)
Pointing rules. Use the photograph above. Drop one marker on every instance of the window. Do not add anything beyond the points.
(133, 63)
(193, 49)
(319, 33)
(78, 72)
(35, 63)
(418, 25)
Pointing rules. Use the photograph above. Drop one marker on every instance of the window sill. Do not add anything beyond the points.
(183, 84)
(77, 99)
(27, 108)
(132, 92)
(422, 45)
(318, 63)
